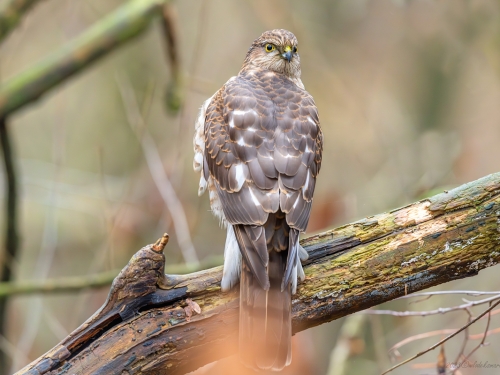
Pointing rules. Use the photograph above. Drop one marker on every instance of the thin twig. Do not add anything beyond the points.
(445, 292)
(186, 109)
(427, 295)
(174, 88)
(155, 165)
(11, 235)
(441, 332)
(98, 280)
(441, 310)
(481, 344)
(481, 335)
(32, 318)
(443, 340)
(466, 337)
(59, 285)
(421, 336)
(11, 350)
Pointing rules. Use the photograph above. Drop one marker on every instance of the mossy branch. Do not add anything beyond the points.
(115, 29)
(148, 325)
(11, 12)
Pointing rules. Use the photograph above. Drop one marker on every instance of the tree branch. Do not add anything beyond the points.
(436, 345)
(98, 280)
(11, 12)
(173, 97)
(120, 26)
(147, 327)
(11, 246)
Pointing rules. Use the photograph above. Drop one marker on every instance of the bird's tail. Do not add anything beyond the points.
(265, 317)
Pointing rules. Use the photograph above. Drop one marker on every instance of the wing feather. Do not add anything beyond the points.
(263, 148)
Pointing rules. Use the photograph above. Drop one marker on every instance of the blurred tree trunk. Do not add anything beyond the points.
(188, 322)
(11, 239)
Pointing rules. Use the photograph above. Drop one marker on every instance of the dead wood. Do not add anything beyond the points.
(150, 322)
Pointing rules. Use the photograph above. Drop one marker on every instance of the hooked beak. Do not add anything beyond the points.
(287, 55)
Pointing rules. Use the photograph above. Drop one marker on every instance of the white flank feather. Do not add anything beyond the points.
(232, 261)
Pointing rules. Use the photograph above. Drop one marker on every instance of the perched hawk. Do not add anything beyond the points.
(258, 146)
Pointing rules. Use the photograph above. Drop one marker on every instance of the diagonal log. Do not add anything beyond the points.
(148, 324)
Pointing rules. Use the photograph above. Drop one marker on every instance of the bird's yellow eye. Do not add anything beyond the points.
(295, 49)
(270, 48)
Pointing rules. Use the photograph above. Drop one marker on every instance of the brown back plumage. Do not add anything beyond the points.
(263, 146)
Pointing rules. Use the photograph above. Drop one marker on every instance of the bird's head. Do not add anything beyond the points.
(275, 50)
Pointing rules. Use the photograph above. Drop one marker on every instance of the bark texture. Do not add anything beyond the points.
(145, 329)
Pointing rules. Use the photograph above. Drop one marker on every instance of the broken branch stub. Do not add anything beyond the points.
(131, 290)
(150, 322)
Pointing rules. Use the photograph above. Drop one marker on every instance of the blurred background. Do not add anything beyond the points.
(409, 100)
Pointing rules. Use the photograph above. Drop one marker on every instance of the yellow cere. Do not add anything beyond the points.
(288, 48)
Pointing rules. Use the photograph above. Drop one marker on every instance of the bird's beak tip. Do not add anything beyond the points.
(287, 55)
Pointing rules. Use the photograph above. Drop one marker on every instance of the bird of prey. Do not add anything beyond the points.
(258, 146)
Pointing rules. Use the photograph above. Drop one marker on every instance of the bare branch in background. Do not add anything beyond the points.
(77, 283)
(441, 310)
(466, 307)
(33, 313)
(481, 344)
(447, 292)
(155, 165)
(11, 245)
(465, 339)
(11, 12)
(487, 311)
(59, 285)
(173, 95)
(187, 109)
(126, 22)
(11, 350)
(441, 332)
(351, 268)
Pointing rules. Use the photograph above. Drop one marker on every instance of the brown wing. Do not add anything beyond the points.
(263, 149)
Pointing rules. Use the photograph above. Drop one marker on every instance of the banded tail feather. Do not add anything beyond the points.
(265, 330)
